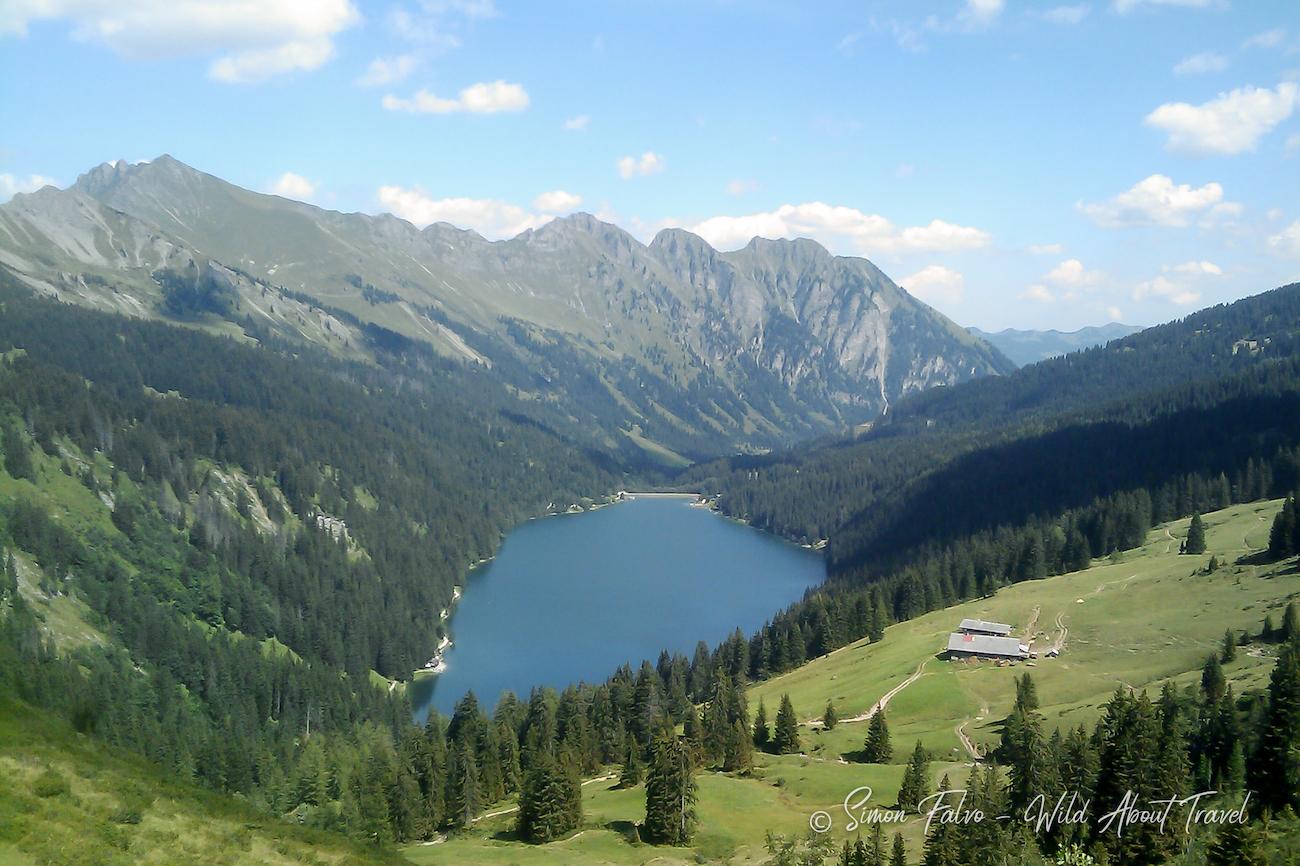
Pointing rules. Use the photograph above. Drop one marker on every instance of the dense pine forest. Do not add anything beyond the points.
(260, 540)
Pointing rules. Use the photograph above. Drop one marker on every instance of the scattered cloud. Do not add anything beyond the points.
(1177, 283)
(490, 218)
(1047, 249)
(1123, 6)
(1158, 201)
(849, 43)
(1066, 14)
(1230, 124)
(1039, 293)
(253, 39)
(1199, 64)
(482, 98)
(839, 228)
(741, 186)
(1115, 313)
(294, 186)
(646, 164)
(557, 201)
(1071, 272)
(578, 123)
(1287, 241)
(11, 185)
(388, 70)
(1198, 268)
(1267, 39)
(936, 285)
(982, 11)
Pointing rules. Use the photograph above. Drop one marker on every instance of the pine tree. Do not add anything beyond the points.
(18, 459)
(786, 736)
(463, 800)
(1195, 543)
(876, 847)
(740, 750)
(916, 780)
(1235, 845)
(1290, 623)
(829, 718)
(1284, 535)
(942, 846)
(762, 735)
(899, 856)
(1229, 653)
(633, 771)
(670, 793)
(1213, 682)
(877, 748)
(1275, 766)
(545, 805)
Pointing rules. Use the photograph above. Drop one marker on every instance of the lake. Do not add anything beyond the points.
(572, 597)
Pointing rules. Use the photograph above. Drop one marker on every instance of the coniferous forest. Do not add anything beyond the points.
(282, 529)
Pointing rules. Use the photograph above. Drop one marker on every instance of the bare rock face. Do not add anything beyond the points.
(678, 344)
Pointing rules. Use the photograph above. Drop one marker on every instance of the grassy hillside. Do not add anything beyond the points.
(1139, 619)
(67, 799)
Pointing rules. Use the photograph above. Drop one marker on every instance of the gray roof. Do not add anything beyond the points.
(982, 644)
(980, 625)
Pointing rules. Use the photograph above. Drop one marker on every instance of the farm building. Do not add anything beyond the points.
(983, 646)
(979, 626)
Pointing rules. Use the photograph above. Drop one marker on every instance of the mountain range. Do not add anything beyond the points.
(1030, 347)
(672, 350)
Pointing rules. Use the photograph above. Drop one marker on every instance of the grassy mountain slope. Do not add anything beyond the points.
(1138, 620)
(67, 799)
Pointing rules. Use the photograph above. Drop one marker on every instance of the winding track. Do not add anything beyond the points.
(884, 701)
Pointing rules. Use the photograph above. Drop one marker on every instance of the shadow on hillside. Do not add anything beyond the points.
(627, 829)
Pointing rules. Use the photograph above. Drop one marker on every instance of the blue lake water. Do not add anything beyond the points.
(571, 598)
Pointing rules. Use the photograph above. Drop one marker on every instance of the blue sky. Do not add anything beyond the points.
(1014, 164)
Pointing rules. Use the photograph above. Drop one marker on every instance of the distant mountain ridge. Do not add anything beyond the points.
(672, 346)
(1030, 347)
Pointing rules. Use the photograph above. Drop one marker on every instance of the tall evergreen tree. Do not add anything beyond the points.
(1213, 682)
(899, 855)
(1228, 654)
(762, 734)
(545, 806)
(785, 737)
(916, 779)
(633, 770)
(1275, 765)
(877, 748)
(670, 793)
(1195, 543)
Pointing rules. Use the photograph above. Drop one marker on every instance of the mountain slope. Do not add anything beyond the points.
(1030, 347)
(674, 343)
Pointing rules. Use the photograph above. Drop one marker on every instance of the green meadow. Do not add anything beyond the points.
(1135, 620)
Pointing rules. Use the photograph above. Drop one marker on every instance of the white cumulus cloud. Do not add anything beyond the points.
(838, 228)
(252, 39)
(936, 285)
(647, 163)
(1177, 284)
(11, 185)
(1047, 249)
(1071, 272)
(1157, 200)
(294, 186)
(488, 217)
(1232, 123)
(482, 98)
(557, 201)
(388, 70)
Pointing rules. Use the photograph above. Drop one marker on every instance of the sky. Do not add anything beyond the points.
(1013, 164)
